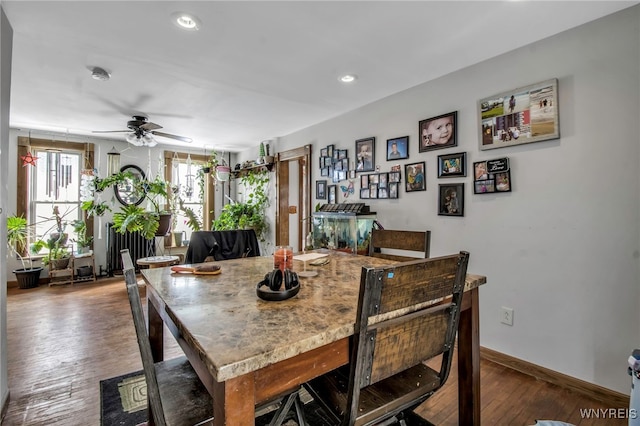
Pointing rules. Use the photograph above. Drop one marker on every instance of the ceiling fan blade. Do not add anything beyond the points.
(150, 126)
(170, 136)
(111, 131)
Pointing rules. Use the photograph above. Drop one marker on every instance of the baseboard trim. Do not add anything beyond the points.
(609, 397)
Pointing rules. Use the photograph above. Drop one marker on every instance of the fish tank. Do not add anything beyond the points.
(344, 227)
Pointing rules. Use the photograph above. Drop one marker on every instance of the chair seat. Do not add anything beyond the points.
(185, 400)
(392, 395)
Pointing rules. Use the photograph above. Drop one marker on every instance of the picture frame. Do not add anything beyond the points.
(364, 181)
(415, 176)
(373, 190)
(519, 116)
(332, 193)
(324, 171)
(394, 177)
(451, 199)
(393, 190)
(330, 151)
(321, 189)
(342, 154)
(365, 154)
(324, 152)
(383, 178)
(383, 193)
(492, 176)
(364, 193)
(452, 165)
(438, 132)
(398, 148)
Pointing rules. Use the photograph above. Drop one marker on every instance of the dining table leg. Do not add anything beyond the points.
(469, 360)
(156, 332)
(234, 401)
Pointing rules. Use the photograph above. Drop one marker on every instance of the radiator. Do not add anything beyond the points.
(134, 241)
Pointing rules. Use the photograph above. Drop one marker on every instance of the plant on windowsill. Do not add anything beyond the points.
(249, 214)
(82, 241)
(59, 256)
(18, 232)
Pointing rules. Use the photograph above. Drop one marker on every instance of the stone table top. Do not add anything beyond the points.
(236, 332)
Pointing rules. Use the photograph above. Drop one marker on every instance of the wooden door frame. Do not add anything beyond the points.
(302, 156)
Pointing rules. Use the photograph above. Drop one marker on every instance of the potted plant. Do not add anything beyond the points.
(59, 256)
(251, 212)
(18, 232)
(83, 242)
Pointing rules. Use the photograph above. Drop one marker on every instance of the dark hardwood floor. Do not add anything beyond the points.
(63, 340)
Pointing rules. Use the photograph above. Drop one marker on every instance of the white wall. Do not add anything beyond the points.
(6, 43)
(562, 248)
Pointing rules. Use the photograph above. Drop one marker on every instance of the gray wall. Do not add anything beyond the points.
(562, 248)
(6, 43)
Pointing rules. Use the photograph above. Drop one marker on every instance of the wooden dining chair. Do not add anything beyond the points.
(408, 313)
(416, 242)
(176, 396)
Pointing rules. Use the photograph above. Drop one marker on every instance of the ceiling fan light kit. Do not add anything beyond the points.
(141, 132)
(100, 74)
(186, 21)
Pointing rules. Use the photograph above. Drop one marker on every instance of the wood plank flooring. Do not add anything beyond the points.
(63, 340)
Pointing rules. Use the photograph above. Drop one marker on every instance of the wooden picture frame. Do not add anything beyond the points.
(452, 165)
(398, 148)
(518, 116)
(492, 176)
(365, 154)
(438, 132)
(415, 177)
(321, 189)
(451, 199)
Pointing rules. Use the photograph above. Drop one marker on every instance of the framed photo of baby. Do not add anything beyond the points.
(438, 132)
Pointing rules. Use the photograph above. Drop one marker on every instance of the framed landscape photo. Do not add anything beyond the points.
(365, 154)
(437, 132)
(321, 189)
(415, 177)
(398, 148)
(518, 116)
(452, 165)
(451, 199)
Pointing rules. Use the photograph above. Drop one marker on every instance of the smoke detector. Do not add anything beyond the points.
(98, 73)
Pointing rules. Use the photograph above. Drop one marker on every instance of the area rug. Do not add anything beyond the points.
(123, 402)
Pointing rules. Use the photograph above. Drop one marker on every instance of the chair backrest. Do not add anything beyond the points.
(407, 313)
(414, 241)
(153, 390)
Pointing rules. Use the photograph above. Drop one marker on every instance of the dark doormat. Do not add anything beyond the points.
(123, 402)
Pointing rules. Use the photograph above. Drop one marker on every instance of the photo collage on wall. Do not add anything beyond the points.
(492, 176)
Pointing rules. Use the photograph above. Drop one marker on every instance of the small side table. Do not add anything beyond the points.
(157, 261)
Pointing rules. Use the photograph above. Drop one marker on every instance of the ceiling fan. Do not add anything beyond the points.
(141, 132)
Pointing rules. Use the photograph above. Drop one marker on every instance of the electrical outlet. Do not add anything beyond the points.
(506, 316)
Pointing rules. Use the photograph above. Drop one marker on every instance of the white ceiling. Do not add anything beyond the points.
(254, 70)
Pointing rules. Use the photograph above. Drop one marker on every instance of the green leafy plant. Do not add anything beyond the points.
(251, 212)
(94, 209)
(18, 232)
(80, 228)
(133, 218)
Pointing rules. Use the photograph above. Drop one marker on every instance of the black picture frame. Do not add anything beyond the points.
(394, 177)
(402, 148)
(332, 192)
(451, 199)
(364, 181)
(415, 176)
(393, 190)
(330, 151)
(324, 171)
(366, 154)
(438, 132)
(492, 176)
(364, 193)
(452, 165)
(324, 152)
(321, 189)
(126, 192)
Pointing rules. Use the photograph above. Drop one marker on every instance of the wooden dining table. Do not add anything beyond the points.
(248, 351)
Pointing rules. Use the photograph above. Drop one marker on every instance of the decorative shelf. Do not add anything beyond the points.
(259, 168)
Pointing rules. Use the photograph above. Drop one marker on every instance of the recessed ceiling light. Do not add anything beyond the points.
(186, 21)
(348, 78)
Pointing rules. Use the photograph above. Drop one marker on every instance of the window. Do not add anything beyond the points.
(194, 189)
(53, 181)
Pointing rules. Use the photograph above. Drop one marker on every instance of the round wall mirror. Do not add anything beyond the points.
(126, 192)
